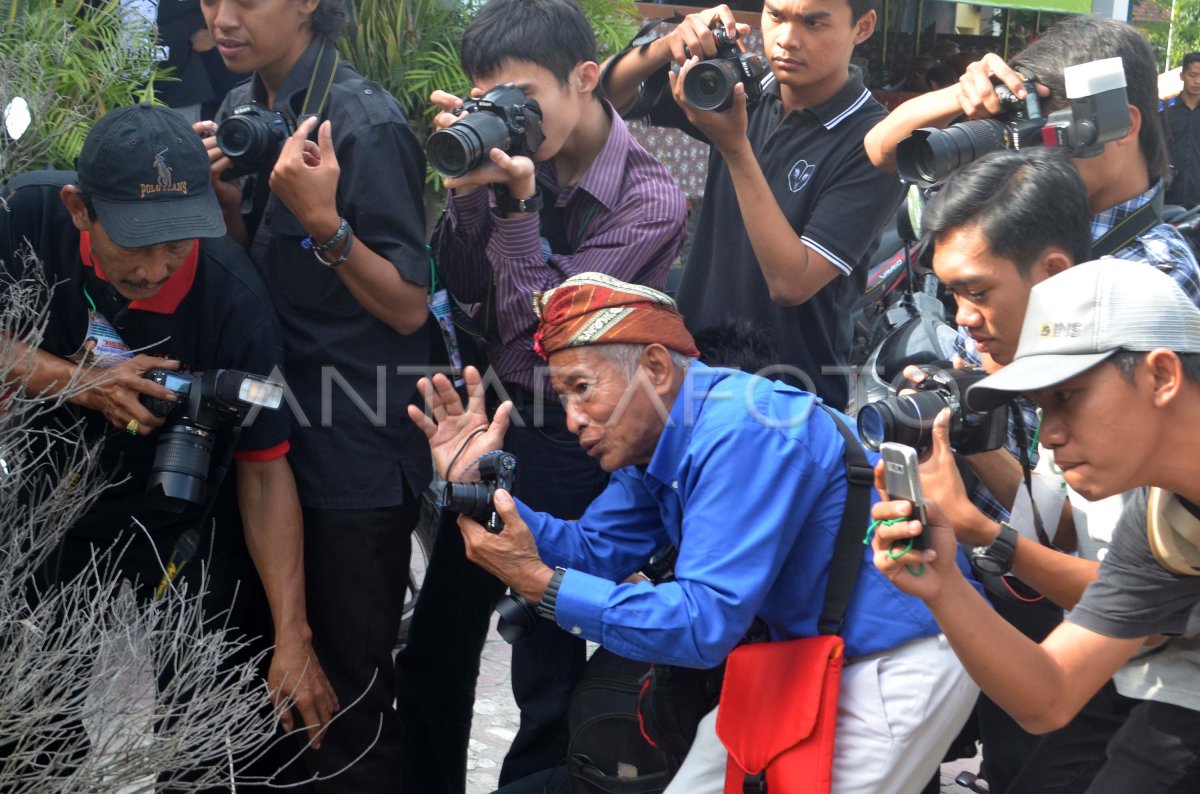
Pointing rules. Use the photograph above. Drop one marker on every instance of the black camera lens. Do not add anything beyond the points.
(904, 419)
(932, 154)
(709, 84)
(464, 145)
(240, 136)
(252, 138)
(179, 476)
(472, 499)
(518, 618)
(236, 138)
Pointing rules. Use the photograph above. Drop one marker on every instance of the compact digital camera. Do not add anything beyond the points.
(475, 499)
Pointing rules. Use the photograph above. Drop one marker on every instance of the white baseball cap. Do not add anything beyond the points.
(1084, 315)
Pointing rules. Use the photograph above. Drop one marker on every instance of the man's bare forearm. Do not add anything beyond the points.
(624, 76)
(274, 537)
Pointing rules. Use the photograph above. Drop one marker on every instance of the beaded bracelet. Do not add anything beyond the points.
(341, 260)
(343, 229)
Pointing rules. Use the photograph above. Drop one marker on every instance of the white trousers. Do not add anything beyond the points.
(898, 712)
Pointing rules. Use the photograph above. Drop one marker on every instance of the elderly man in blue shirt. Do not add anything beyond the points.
(746, 478)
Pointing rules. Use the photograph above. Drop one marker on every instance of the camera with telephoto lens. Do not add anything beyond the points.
(709, 84)
(252, 138)
(496, 470)
(908, 418)
(1098, 112)
(503, 118)
(205, 400)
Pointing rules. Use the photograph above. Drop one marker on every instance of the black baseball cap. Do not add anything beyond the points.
(146, 172)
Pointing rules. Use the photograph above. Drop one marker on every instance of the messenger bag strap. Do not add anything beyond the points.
(847, 549)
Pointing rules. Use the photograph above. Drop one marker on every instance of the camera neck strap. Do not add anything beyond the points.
(1023, 444)
(1124, 232)
(320, 82)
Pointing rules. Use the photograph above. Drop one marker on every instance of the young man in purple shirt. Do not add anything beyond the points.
(589, 199)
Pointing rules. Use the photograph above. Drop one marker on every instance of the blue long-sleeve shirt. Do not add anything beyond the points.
(748, 481)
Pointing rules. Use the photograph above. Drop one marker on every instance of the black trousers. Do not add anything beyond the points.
(439, 666)
(1117, 745)
(356, 564)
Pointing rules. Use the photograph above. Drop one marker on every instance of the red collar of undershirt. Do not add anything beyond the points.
(167, 300)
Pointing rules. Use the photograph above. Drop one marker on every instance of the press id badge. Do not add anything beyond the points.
(102, 346)
(439, 305)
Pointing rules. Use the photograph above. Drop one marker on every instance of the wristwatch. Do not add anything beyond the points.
(996, 559)
(505, 202)
(546, 606)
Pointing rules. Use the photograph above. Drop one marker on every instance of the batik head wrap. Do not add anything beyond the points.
(596, 309)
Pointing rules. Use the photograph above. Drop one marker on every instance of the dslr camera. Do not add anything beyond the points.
(1098, 112)
(179, 475)
(908, 418)
(709, 84)
(503, 118)
(252, 138)
(496, 470)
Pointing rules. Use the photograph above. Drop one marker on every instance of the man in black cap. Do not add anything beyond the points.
(140, 276)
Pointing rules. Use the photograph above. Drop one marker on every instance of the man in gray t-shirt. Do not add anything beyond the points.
(1111, 355)
(1135, 596)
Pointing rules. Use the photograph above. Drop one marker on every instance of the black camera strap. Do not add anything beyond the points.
(847, 547)
(1132, 225)
(320, 82)
(1023, 442)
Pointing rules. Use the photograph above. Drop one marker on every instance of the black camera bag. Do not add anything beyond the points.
(607, 753)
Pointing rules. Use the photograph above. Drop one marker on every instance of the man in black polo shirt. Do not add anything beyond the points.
(336, 226)
(792, 205)
(133, 288)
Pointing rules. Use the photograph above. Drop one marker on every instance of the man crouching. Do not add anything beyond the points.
(746, 478)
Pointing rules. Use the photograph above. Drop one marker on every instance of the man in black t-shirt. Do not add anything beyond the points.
(132, 249)
(792, 205)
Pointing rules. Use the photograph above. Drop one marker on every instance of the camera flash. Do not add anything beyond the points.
(265, 393)
(1094, 77)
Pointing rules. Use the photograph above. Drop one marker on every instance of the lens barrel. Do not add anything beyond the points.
(252, 139)
(471, 499)
(932, 155)
(902, 419)
(179, 476)
(244, 136)
(464, 145)
(709, 84)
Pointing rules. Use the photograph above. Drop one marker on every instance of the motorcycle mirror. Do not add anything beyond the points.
(17, 118)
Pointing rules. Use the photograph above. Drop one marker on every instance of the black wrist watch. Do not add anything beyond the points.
(996, 559)
(505, 203)
(546, 606)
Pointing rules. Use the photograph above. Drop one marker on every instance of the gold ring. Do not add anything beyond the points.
(132, 427)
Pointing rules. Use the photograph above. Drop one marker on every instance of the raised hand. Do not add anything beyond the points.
(458, 435)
